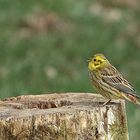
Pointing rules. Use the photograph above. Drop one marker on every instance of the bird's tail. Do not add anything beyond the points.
(132, 98)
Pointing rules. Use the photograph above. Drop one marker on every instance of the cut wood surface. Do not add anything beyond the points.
(69, 116)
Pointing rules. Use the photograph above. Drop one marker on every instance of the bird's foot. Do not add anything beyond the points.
(107, 102)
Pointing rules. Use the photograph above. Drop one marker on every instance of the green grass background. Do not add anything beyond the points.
(52, 57)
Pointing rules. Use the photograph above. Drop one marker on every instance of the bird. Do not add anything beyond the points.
(109, 82)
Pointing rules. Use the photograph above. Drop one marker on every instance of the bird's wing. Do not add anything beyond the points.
(112, 77)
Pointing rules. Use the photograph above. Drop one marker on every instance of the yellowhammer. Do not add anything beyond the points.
(109, 82)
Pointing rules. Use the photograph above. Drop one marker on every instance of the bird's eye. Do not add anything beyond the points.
(94, 59)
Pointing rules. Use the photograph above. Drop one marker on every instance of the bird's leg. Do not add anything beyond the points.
(105, 103)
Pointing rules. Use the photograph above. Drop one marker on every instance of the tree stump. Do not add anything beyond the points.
(70, 116)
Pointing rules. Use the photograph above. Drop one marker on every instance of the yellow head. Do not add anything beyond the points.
(98, 61)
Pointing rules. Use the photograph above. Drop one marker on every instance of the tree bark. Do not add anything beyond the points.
(70, 116)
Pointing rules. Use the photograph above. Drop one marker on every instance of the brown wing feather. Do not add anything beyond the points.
(111, 76)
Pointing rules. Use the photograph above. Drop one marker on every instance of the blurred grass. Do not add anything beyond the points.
(44, 46)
